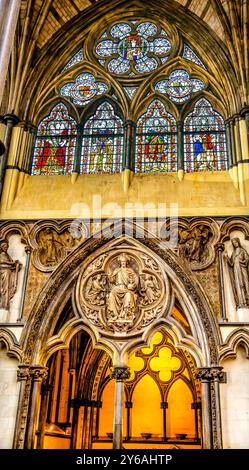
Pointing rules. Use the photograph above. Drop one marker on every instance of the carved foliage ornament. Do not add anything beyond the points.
(122, 291)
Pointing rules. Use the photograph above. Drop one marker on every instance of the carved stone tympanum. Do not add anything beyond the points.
(123, 291)
(9, 270)
(238, 266)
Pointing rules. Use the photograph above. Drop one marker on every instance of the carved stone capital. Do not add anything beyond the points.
(120, 373)
(220, 247)
(22, 373)
(38, 373)
(210, 374)
(218, 375)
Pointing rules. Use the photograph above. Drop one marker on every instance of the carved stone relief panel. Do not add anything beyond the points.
(52, 241)
(194, 240)
(122, 291)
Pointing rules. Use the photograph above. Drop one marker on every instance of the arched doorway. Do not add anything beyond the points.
(189, 327)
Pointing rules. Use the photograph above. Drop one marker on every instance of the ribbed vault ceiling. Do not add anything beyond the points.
(61, 11)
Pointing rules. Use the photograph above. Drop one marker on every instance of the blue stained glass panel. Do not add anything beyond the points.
(205, 146)
(135, 44)
(84, 89)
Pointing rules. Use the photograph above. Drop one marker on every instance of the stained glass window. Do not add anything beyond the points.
(156, 143)
(84, 89)
(133, 48)
(78, 57)
(102, 147)
(189, 54)
(204, 139)
(179, 86)
(130, 91)
(55, 143)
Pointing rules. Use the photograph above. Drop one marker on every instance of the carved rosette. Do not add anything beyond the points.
(122, 291)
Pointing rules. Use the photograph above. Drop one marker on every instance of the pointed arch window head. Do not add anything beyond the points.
(179, 87)
(102, 146)
(55, 143)
(156, 142)
(133, 47)
(84, 89)
(205, 145)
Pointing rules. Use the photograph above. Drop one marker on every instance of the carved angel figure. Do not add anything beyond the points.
(238, 265)
(149, 289)
(122, 298)
(8, 276)
(96, 289)
(192, 242)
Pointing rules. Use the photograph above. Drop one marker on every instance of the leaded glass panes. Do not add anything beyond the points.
(78, 57)
(189, 54)
(133, 47)
(102, 147)
(156, 142)
(179, 86)
(204, 139)
(84, 89)
(130, 91)
(55, 143)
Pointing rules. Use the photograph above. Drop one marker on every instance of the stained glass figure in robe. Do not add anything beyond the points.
(102, 147)
(55, 143)
(156, 144)
(205, 145)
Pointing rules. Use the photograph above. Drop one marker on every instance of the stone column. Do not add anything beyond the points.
(204, 375)
(22, 409)
(217, 377)
(120, 374)
(211, 414)
(46, 390)
(10, 120)
(164, 406)
(38, 375)
(128, 406)
(9, 12)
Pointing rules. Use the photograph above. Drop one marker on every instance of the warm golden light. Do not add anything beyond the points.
(156, 339)
(146, 412)
(136, 364)
(165, 364)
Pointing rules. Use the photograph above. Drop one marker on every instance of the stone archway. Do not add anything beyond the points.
(61, 284)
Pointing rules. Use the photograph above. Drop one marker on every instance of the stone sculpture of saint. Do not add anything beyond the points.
(238, 265)
(123, 293)
(8, 276)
